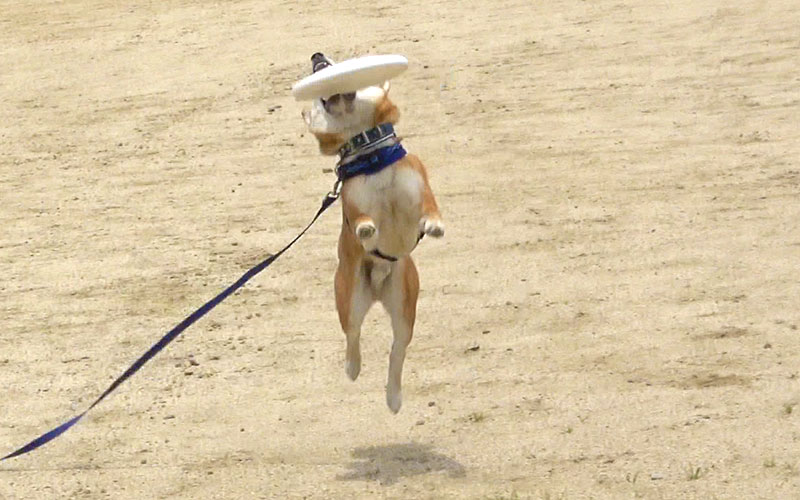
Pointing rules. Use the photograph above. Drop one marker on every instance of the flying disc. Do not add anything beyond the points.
(349, 76)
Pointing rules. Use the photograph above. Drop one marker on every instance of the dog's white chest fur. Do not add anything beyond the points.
(392, 197)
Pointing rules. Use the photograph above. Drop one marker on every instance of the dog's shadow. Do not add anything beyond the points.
(388, 464)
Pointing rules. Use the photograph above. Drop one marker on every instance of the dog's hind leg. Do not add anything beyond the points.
(399, 297)
(353, 300)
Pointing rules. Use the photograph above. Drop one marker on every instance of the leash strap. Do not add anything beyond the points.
(172, 334)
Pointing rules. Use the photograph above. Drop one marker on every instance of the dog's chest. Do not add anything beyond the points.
(394, 192)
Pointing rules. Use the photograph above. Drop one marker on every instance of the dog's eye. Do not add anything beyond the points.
(334, 99)
(349, 97)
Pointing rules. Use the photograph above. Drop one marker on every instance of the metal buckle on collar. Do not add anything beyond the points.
(374, 134)
(365, 138)
(359, 141)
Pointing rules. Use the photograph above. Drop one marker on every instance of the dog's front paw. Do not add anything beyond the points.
(432, 226)
(366, 230)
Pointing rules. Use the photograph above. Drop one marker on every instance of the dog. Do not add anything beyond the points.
(387, 206)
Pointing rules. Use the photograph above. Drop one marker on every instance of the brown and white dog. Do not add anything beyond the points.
(384, 214)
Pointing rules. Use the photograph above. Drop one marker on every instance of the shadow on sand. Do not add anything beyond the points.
(388, 464)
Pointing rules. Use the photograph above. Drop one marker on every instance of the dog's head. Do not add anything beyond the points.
(335, 119)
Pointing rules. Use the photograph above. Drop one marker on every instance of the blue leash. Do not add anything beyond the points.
(172, 334)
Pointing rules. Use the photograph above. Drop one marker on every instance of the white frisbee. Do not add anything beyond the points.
(349, 76)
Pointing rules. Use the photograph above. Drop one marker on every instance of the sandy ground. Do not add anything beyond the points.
(613, 312)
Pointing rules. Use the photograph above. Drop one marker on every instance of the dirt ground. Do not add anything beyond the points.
(613, 312)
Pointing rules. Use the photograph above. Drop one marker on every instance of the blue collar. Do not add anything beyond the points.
(370, 163)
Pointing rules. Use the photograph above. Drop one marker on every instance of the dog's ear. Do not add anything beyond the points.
(386, 111)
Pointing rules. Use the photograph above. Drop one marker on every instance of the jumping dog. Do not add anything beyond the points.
(387, 207)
